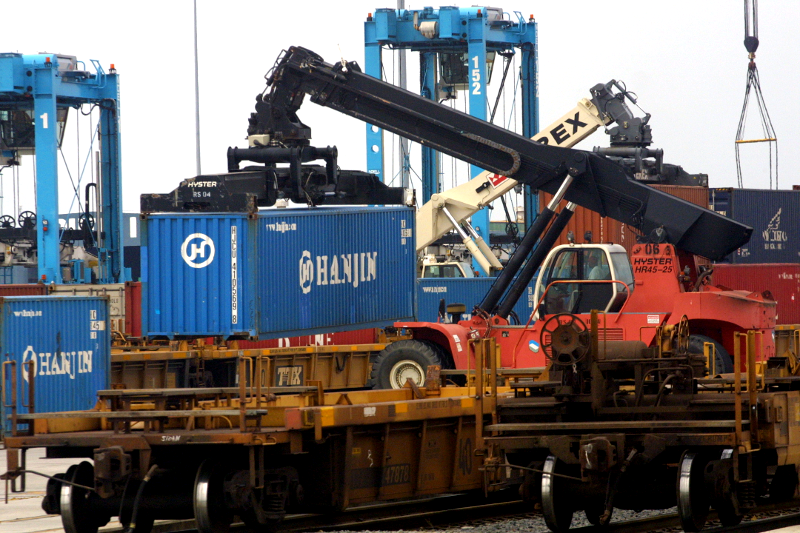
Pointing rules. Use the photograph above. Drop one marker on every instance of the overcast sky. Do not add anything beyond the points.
(684, 59)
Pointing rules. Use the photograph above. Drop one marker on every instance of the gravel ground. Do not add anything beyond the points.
(531, 524)
(536, 523)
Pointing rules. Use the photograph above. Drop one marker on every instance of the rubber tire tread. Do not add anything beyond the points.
(724, 362)
(423, 352)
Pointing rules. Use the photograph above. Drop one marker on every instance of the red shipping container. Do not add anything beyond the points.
(133, 308)
(23, 289)
(606, 229)
(780, 279)
(358, 336)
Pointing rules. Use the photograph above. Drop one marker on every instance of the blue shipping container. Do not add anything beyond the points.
(285, 273)
(335, 268)
(198, 277)
(467, 291)
(774, 216)
(69, 341)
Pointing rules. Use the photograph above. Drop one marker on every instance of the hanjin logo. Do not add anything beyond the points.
(68, 363)
(352, 269)
(202, 247)
(306, 272)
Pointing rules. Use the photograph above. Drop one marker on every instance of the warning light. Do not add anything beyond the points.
(47, 59)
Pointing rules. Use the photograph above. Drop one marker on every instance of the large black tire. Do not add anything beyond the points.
(723, 360)
(402, 360)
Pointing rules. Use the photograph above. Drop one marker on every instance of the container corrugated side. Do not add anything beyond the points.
(334, 269)
(774, 216)
(69, 340)
(336, 338)
(198, 277)
(605, 229)
(780, 279)
(133, 308)
(467, 291)
(23, 289)
(114, 291)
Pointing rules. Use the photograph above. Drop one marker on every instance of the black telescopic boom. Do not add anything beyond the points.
(536, 230)
(601, 185)
(535, 261)
(515, 262)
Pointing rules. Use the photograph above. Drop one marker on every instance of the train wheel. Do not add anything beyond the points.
(77, 516)
(693, 498)
(210, 512)
(403, 360)
(728, 508)
(594, 511)
(556, 506)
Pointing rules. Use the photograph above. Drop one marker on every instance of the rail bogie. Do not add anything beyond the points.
(201, 454)
(622, 426)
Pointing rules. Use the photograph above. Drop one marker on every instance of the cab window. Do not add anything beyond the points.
(443, 271)
(622, 268)
(578, 296)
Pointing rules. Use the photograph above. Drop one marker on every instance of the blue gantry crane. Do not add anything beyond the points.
(457, 47)
(36, 93)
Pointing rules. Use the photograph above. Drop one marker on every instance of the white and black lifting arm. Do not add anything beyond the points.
(600, 184)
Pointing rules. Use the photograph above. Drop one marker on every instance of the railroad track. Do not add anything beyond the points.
(766, 518)
(459, 512)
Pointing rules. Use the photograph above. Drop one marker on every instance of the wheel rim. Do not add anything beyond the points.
(693, 501)
(76, 514)
(209, 507)
(555, 508)
(402, 370)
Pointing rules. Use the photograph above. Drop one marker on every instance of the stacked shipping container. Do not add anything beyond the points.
(281, 274)
(606, 229)
(782, 280)
(771, 260)
(774, 216)
(469, 292)
(69, 343)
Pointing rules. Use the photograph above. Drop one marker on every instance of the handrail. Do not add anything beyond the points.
(541, 300)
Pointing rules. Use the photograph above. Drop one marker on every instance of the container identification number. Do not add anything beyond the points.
(396, 474)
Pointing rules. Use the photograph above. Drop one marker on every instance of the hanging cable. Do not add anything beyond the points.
(507, 56)
(754, 85)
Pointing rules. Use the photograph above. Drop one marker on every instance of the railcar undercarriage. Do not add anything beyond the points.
(605, 420)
